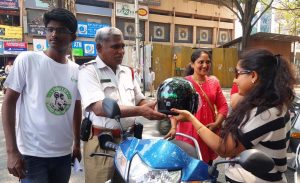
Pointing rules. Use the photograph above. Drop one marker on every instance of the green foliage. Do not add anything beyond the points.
(288, 15)
(247, 13)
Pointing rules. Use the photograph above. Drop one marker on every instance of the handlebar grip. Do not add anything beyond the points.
(111, 145)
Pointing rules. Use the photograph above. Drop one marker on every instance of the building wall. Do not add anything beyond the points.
(277, 47)
(194, 7)
(172, 12)
(197, 18)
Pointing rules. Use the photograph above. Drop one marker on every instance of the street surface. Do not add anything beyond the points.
(149, 132)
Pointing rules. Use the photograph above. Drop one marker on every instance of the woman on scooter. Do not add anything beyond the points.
(260, 121)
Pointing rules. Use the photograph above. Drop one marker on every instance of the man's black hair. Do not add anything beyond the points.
(61, 15)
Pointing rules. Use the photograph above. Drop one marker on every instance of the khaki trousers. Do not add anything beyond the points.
(98, 169)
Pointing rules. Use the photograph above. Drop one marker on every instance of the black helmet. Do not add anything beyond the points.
(177, 93)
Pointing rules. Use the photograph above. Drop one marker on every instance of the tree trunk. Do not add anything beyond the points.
(247, 20)
(70, 5)
(246, 26)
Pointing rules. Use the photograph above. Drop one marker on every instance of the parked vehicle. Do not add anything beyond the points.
(294, 147)
(163, 161)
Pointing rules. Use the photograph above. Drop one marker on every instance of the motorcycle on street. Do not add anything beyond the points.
(163, 161)
(294, 145)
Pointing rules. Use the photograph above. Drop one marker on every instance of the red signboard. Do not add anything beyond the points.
(14, 47)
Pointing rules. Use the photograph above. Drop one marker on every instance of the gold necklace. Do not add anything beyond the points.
(198, 81)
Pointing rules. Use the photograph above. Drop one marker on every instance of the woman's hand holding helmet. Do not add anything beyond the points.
(183, 115)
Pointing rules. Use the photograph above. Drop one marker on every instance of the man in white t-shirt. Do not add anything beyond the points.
(41, 111)
(151, 81)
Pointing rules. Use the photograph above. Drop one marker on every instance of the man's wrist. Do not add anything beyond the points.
(138, 110)
(77, 143)
(12, 150)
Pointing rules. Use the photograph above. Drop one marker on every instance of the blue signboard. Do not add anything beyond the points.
(89, 48)
(77, 44)
(77, 48)
(1, 48)
(88, 29)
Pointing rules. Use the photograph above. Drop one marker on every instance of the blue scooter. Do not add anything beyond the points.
(163, 161)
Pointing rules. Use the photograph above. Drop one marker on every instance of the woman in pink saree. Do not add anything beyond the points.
(214, 107)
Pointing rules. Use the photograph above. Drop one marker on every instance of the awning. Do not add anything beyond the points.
(266, 36)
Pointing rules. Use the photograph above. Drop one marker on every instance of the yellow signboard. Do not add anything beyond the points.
(10, 32)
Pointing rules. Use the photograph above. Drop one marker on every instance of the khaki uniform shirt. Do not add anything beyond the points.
(120, 87)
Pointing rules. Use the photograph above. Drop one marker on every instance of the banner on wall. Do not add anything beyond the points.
(88, 29)
(9, 4)
(40, 44)
(89, 48)
(36, 30)
(77, 48)
(10, 32)
(14, 48)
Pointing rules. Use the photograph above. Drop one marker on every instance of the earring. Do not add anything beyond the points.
(253, 81)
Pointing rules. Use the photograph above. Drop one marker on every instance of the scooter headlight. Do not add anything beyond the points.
(139, 172)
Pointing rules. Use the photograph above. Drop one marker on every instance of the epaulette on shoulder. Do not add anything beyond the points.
(131, 69)
(87, 63)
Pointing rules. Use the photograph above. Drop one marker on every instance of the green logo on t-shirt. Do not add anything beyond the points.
(58, 100)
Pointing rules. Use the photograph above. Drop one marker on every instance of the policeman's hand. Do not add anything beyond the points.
(148, 111)
(76, 153)
(151, 103)
(15, 164)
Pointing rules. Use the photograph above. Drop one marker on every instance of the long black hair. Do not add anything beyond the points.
(195, 55)
(274, 88)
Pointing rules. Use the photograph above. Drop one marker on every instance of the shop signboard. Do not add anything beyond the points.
(9, 4)
(77, 48)
(14, 48)
(1, 48)
(89, 48)
(127, 10)
(39, 44)
(36, 30)
(88, 29)
(10, 32)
